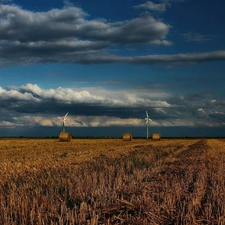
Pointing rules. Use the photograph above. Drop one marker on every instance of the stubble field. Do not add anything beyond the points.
(111, 181)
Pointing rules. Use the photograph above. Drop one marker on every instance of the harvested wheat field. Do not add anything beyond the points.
(111, 181)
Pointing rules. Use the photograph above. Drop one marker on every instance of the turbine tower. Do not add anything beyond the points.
(64, 121)
(147, 119)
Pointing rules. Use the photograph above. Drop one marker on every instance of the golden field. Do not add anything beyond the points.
(111, 181)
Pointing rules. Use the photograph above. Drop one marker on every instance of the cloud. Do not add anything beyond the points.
(175, 59)
(71, 22)
(68, 35)
(201, 110)
(57, 24)
(37, 37)
(152, 6)
(181, 58)
(15, 95)
(4, 1)
(105, 121)
(7, 124)
(195, 37)
(31, 105)
(73, 121)
(109, 121)
(67, 3)
(97, 96)
(88, 106)
(31, 99)
(174, 1)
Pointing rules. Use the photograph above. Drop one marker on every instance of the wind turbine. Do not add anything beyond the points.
(147, 119)
(64, 121)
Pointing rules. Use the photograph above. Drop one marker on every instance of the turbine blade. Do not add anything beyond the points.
(66, 115)
(147, 113)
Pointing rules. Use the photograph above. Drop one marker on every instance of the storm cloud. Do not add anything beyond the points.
(30, 105)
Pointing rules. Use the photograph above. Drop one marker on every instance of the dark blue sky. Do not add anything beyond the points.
(106, 62)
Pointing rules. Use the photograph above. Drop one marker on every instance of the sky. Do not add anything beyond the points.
(108, 61)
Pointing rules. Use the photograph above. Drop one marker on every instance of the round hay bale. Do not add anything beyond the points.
(128, 137)
(156, 137)
(65, 137)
